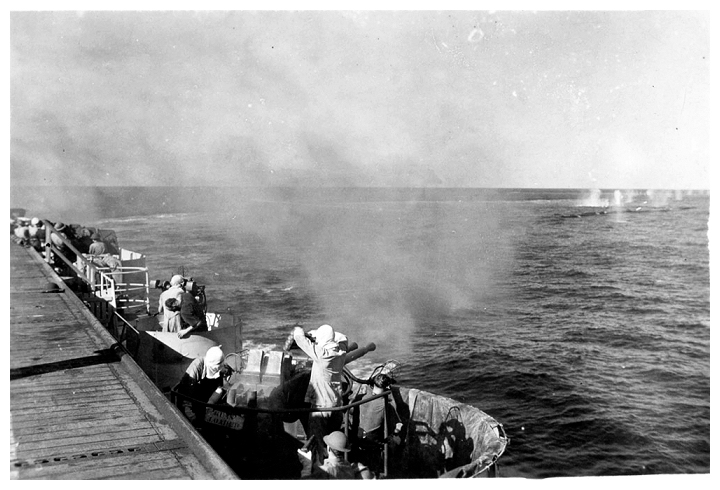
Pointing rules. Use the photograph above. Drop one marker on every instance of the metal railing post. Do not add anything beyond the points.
(147, 291)
(91, 273)
(386, 435)
(346, 419)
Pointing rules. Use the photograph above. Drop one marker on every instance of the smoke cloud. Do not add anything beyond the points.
(375, 278)
(372, 98)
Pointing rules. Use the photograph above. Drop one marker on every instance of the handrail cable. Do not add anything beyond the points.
(239, 409)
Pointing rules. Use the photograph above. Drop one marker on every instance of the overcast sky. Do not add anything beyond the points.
(583, 99)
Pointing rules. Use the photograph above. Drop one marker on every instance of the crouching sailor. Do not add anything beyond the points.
(335, 466)
(191, 315)
(203, 381)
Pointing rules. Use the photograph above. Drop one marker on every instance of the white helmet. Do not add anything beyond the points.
(176, 280)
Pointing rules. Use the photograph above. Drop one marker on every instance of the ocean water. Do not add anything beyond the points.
(579, 320)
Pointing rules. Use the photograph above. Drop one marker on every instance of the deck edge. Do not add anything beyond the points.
(177, 422)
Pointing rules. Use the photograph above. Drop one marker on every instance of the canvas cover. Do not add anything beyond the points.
(448, 438)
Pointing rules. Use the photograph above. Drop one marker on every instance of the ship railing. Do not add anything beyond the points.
(104, 281)
(51, 250)
(177, 397)
(128, 296)
(126, 334)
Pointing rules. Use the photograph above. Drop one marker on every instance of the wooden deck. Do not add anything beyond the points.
(80, 408)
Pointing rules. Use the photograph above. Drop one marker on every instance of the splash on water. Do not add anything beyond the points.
(594, 199)
(618, 199)
(660, 198)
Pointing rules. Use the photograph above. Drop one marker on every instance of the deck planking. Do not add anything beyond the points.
(80, 408)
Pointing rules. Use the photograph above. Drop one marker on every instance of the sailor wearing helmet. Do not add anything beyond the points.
(335, 467)
(204, 378)
(57, 235)
(59, 239)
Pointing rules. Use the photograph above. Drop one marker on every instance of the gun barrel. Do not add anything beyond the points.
(359, 352)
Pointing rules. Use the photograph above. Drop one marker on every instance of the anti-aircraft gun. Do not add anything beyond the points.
(191, 286)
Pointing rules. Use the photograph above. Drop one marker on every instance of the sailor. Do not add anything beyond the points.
(372, 413)
(82, 240)
(325, 388)
(97, 247)
(22, 235)
(57, 234)
(36, 228)
(204, 380)
(37, 234)
(56, 237)
(173, 292)
(171, 316)
(335, 466)
(371, 424)
(192, 316)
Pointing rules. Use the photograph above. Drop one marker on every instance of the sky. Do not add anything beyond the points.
(539, 99)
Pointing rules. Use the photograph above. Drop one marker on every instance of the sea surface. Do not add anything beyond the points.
(579, 319)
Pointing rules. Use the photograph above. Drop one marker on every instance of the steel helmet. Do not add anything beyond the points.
(337, 441)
